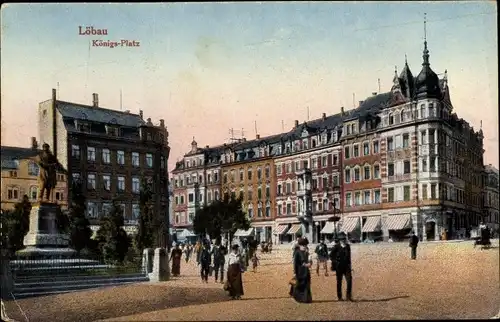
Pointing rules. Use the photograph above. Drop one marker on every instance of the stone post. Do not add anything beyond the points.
(161, 271)
(147, 260)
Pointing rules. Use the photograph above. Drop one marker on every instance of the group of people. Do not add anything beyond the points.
(340, 256)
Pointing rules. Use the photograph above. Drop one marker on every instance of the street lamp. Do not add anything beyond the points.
(334, 219)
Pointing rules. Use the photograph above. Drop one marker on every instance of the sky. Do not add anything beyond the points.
(207, 68)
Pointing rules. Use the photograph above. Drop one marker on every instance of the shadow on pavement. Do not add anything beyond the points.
(112, 303)
(366, 300)
(264, 298)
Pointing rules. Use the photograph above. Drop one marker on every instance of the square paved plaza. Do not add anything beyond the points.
(448, 280)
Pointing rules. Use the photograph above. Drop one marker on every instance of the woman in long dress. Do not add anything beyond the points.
(301, 264)
(175, 257)
(234, 279)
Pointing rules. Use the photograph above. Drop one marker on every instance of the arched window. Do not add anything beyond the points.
(403, 116)
(33, 193)
(33, 169)
(391, 119)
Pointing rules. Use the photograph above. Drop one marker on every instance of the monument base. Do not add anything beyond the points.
(43, 240)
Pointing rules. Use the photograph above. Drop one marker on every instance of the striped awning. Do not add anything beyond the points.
(280, 230)
(243, 233)
(350, 224)
(329, 228)
(398, 222)
(294, 229)
(372, 224)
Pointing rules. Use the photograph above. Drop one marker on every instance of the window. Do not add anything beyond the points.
(259, 193)
(357, 198)
(106, 156)
(135, 211)
(424, 192)
(242, 175)
(75, 151)
(376, 196)
(224, 179)
(288, 208)
(391, 119)
(216, 195)
(91, 154)
(433, 164)
(390, 195)
(347, 175)
(267, 171)
(136, 159)
(376, 172)
(335, 159)
(76, 176)
(191, 217)
(268, 209)
(232, 176)
(259, 173)
(13, 193)
(249, 174)
(422, 111)
(324, 161)
(390, 144)
(407, 167)
(367, 172)
(432, 136)
(279, 190)
(432, 110)
(278, 169)
(91, 184)
(92, 210)
(433, 191)
(423, 137)
(121, 183)
(348, 201)
(325, 204)
(314, 163)
(250, 211)
(355, 151)
(366, 148)
(259, 211)
(390, 169)
(106, 182)
(406, 140)
(402, 116)
(106, 207)
(325, 183)
(33, 193)
(367, 197)
(356, 174)
(268, 192)
(375, 147)
(120, 157)
(406, 193)
(191, 197)
(424, 164)
(149, 160)
(136, 185)
(335, 181)
(33, 169)
(347, 153)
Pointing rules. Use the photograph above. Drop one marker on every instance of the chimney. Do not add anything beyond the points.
(374, 93)
(324, 116)
(244, 139)
(34, 143)
(257, 136)
(296, 123)
(342, 110)
(207, 146)
(141, 114)
(149, 121)
(95, 100)
(162, 123)
(361, 102)
(54, 94)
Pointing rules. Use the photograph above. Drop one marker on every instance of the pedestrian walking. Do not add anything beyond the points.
(219, 253)
(175, 257)
(205, 261)
(301, 284)
(255, 262)
(187, 251)
(343, 268)
(333, 255)
(322, 257)
(197, 251)
(413, 245)
(234, 283)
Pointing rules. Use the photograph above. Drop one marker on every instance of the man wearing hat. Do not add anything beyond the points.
(322, 256)
(343, 267)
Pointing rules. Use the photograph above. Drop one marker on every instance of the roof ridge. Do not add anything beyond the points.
(98, 107)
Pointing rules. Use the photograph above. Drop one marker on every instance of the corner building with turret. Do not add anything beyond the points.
(401, 161)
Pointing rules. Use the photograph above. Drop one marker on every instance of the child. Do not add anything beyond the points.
(255, 262)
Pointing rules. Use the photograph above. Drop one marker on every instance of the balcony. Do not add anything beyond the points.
(303, 190)
(399, 154)
(398, 177)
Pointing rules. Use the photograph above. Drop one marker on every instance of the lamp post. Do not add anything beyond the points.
(334, 219)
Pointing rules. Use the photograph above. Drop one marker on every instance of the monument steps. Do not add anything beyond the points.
(59, 278)
(31, 289)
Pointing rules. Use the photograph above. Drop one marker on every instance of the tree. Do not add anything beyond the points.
(145, 236)
(221, 217)
(113, 240)
(79, 226)
(15, 225)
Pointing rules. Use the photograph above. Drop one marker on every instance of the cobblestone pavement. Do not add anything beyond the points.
(448, 280)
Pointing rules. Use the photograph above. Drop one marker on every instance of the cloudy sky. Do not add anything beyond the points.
(207, 67)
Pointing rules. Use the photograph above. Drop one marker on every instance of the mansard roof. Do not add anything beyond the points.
(11, 155)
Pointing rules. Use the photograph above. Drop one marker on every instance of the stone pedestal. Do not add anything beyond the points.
(43, 239)
(147, 260)
(161, 271)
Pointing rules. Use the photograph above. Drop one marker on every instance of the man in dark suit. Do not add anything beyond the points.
(413, 245)
(343, 267)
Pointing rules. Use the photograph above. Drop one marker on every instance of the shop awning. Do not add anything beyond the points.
(280, 230)
(372, 224)
(294, 229)
(187, 233)
(329, 228)
(243, 233)
(350, 224)
(398, 222)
